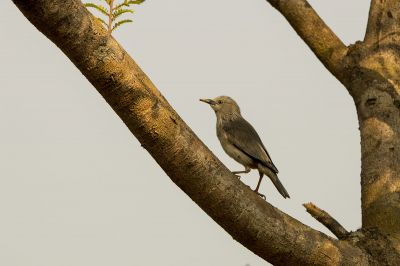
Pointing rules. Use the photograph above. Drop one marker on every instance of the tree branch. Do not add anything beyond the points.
(328, 221)
(316, 34)
(383, 22)
(265, 230)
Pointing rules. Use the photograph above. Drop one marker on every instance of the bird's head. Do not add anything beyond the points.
(223, 105)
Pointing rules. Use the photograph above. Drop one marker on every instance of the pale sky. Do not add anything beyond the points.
(76, 188)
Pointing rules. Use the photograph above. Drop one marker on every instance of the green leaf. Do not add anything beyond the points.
(100, 8)
(125, 3)
(119, 12)
(102, 21)
(137, 2)
(119, 23)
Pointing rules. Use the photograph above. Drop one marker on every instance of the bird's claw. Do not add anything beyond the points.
(261, 195)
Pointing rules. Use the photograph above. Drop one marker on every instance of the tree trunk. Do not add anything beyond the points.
(368, 69)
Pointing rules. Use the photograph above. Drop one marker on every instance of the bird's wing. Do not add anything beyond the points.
(242, 135)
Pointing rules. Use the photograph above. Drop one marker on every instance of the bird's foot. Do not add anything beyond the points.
(261, 195)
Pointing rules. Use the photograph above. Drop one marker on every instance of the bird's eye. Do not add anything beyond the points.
(219, 101)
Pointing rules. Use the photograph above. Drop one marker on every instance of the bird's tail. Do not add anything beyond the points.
(275, 180)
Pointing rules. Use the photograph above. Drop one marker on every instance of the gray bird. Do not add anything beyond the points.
(241, 142)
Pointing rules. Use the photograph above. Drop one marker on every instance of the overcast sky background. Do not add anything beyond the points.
(77, 189)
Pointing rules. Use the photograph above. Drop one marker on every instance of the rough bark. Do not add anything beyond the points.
(378, 101)
(265, 230)
(383, 22)
(370, 71)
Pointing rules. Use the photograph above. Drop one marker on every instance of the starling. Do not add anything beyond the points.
(241, 142)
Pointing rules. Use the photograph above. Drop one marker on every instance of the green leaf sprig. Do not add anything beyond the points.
(113, 11)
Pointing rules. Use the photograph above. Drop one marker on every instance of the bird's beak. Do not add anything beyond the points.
(209, 101)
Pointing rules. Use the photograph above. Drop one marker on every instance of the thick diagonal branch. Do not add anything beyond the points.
(268, 232)
(315, 33)
(327, 220)
(383, 22)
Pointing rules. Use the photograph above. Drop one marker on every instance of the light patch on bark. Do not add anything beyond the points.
(377, 130)
(395, 239)
(154, 117)
(331, 252)
(385, 62)
(382, 185)
(395, 84)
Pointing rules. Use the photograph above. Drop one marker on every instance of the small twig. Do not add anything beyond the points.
(328, 221)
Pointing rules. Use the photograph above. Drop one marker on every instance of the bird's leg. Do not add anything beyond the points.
(245, 171)
(258, 186)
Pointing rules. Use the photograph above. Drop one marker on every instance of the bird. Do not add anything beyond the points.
(242, 143)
